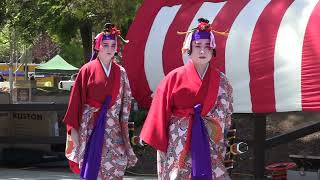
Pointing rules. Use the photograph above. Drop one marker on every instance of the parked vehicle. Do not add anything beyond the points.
(67, 84)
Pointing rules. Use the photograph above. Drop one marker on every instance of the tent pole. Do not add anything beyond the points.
(259, 145)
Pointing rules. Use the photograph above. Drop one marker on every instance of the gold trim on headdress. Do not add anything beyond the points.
(123, 40)
(225, 33)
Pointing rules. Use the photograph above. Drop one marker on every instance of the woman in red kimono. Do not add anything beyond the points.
(98, 145)
(191, 114)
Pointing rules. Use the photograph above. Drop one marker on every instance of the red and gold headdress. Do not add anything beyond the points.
(110, 32)
(202, 31)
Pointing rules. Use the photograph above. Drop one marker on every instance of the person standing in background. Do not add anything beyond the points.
(98, 145)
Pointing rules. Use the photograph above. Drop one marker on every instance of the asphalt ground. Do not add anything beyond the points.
(50, 171)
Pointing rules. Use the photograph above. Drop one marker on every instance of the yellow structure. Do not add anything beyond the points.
(19, 74)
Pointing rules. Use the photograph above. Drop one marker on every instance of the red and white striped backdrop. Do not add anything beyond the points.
(271, 56)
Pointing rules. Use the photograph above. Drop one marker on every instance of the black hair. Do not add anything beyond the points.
(108, 26)
(200, 20)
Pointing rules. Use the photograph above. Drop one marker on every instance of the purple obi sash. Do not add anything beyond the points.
(200, 148)
(92, 157)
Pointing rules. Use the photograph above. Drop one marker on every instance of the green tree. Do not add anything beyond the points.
(66, 19)
(4, 44)
(2, 12)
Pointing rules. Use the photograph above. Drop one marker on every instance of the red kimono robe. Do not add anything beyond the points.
(168, 125)
(91, 88)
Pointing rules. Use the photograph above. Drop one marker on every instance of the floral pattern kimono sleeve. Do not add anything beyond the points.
(124, 118)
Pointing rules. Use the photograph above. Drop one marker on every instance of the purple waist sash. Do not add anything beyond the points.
(92, 157)
(200, 148)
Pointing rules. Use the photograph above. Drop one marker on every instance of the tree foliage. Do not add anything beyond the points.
(2, 12)
(4, 44)
(65, 20)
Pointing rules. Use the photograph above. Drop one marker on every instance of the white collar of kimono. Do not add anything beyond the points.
(107, 71)
(202, 75)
